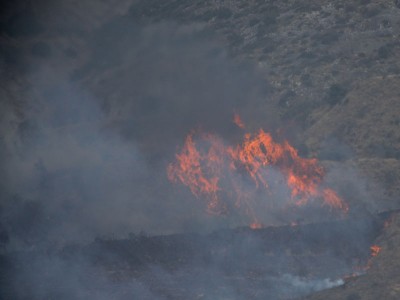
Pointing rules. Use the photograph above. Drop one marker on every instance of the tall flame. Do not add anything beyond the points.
(215, 173)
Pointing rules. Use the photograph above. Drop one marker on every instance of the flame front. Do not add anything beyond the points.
(358, 270)
(215, 173)
(199, 171)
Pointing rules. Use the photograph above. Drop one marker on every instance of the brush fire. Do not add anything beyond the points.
(261, 173)
(375, 249)
(252, 173)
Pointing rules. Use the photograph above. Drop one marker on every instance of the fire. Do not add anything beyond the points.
(250, 175)
(375, 249)
(358, 270)
(238, 121)
(199, 171)
(256, 225)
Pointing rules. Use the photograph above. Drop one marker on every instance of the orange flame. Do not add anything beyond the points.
(216, 172)
(256, 225)
(375, 249)
(358, 270)
(200, 172)
(238, 121)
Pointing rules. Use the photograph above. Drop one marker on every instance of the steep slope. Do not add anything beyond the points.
(382, 280)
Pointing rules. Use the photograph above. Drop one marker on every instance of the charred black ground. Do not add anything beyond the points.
(276, 262)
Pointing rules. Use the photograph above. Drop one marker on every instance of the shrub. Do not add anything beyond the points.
(335, 94)
(223, 13)
(386, 50)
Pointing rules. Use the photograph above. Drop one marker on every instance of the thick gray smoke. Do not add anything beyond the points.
(86, 151)
(76, 177)
(91, 112)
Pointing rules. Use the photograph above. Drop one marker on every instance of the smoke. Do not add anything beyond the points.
(52, 276)
(73, 174)
(43, 276)
(172, 79)
(86, 151)
(304, 286)
(86, 140)
(91, 113)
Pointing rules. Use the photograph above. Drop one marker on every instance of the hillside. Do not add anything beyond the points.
(97, 96)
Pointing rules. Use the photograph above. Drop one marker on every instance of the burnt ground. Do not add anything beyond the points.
(284, 262)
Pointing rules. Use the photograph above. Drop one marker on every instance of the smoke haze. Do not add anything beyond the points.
(91, 113)
(89, 153)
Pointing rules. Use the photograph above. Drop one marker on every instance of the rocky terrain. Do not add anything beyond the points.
(325, 74)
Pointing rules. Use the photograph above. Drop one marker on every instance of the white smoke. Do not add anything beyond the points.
(296, 285)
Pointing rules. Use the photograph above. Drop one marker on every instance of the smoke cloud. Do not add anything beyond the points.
(91, 113)
(87, 151)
